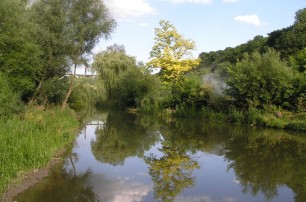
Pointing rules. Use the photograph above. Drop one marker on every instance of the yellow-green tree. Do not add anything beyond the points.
(171, 52)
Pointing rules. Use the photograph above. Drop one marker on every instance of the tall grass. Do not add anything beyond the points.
(30, 140)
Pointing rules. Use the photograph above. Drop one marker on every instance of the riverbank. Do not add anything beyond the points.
(29, 141)
(272, 118)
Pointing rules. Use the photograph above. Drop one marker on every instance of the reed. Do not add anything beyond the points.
(30, 140)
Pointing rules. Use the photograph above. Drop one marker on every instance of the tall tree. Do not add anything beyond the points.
(88, 21)
(51, 18)
(171, 52)
(69, 30)
(19, 54)
(290, 40)
(110, 63)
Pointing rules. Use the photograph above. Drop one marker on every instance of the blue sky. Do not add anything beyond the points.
(212, 24)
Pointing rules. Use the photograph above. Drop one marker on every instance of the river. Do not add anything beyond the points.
(121, 157)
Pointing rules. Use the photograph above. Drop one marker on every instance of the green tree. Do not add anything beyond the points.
(85, 95)
(211, 60)
(260, 80)
(88, 21)
(19, 53)
(51, 18)
(290, 40)
(298, 61)
(171, 52)
(68, 32)
(110, 63)
(136, 87)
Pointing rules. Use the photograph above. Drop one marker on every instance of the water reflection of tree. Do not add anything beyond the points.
(172, 172)
(61, 185)
(259, 171)
(122, 136)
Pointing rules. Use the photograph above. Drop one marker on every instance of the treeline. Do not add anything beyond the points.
(266, 70)
(41, 42)
(289, 42)
(261, 82)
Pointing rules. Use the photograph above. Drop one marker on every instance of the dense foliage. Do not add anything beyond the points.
(260, 80)
(265, 71)
(171, 52)
(10, 101)
(110, 63)
(20, 56)
(40, 42)
(248, 82)
(287, 41)
(127, 84)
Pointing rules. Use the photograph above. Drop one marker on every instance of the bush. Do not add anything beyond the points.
(84, 95)
(136, 88)
(253, 117)
(10, 101)
(53, 91)
(235, 116)
(190, 91)
(297, 125)
(260, 79)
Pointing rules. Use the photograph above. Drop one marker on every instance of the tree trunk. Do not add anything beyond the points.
(68, 92)
(69, 89)
(33, 99)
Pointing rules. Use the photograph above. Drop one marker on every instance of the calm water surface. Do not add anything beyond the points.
(125, 158)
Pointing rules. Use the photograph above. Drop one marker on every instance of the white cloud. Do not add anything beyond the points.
(230, 1)
(191, 1)
(143, 24)
(118, 189)
(249, 19)
(123, 9)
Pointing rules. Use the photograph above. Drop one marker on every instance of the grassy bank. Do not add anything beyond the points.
(29, 141)
(268, 118)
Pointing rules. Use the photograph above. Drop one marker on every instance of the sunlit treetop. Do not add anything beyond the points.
(171, 52)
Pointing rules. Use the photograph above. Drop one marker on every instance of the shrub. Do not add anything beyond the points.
(191, 91)
(53, 91)
(137, 88)
(84, 95)
(235, 116)
(260, 79)
(10, 101)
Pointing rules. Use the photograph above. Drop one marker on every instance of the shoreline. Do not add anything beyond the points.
(32, 177)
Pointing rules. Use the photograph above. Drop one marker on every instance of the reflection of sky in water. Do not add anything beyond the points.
(118, 189)
(132, 183)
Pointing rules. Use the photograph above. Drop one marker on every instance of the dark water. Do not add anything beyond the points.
(125, 158)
